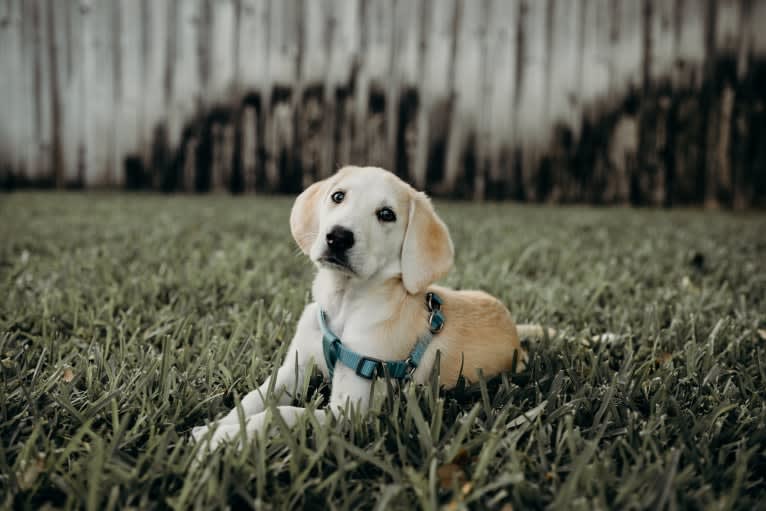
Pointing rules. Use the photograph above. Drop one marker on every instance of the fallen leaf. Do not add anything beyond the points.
(31, 471)
(7, 362)
(68, 375)
(762, 333)
(461, 458)
(507, 507)
(448, 474)
(452, 505)
(663, 358)
(466, 489)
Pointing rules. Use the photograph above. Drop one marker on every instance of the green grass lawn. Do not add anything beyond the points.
(126, 320)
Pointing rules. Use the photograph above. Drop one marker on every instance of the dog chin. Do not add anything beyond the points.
(335, 264)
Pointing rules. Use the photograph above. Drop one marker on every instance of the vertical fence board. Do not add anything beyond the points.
(129, 84)
(436, 88)
(42, 88)
(343, 55)
(531, 109)
(8, 87)
(157, 54)
(284, 87)
(98, 93)
(469, 81)
(728, 25)
(563, 96)
(371, 135)
(68, 37)
(501, 45)
(223, 53)
(253, 44)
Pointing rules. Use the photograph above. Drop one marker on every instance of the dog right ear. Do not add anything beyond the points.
(427, 250)
(304, 217)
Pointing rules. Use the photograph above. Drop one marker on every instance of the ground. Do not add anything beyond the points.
(128, 319)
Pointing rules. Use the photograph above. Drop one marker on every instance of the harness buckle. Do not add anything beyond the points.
(433, 302)
(435, 321)
(360, 367)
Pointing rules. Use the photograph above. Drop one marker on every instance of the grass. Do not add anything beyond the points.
(128, 319)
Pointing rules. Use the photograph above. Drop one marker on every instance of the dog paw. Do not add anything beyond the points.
(198, 433)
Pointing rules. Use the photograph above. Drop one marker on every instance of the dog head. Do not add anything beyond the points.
(366, 223)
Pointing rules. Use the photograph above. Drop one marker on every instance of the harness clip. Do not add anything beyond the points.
(435, 321)
(360, 367)
(433, 302)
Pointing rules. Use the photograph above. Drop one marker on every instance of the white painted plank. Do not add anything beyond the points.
(406, 41)
(131, 85)
(222, 50)
(8, 85)
(532, 125)
(99, 111)
(727, 26)
(153, 101)
(316, 22)
(564, 93)
(283, 42)
(595, 58)
(344, 41)
(186, 84)
(436, 82)
(663, 47)
(42, 88)
(501, 57)
(69, 36)
(253, 44)
(626, 50)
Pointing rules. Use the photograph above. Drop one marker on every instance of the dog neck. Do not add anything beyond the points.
(344, 298)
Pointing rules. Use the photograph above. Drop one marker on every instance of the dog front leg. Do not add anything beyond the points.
(350, 393)
(289, 415)
(305, 349)
(349, 389)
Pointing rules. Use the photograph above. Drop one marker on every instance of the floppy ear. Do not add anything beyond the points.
(304, 217)
(427, 250)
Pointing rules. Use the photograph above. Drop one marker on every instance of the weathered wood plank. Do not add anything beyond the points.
(436, 82)
(501, 55)
(10, 135)
(98, 94)
(469, 87)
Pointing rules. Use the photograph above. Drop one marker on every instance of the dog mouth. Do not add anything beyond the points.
(335, 263)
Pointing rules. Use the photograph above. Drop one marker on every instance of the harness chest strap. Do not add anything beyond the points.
(368, 367)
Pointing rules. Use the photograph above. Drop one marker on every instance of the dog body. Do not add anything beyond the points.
(379, 247)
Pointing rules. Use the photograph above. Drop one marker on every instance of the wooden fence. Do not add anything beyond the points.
(607, 101)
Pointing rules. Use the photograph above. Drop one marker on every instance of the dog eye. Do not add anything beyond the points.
(338, 197)
(386, 215)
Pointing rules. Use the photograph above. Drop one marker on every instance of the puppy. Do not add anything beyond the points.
(378, 246)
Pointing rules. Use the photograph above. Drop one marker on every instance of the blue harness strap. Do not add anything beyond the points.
(369, 367)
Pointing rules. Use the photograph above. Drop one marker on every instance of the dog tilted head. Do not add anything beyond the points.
(368, 224)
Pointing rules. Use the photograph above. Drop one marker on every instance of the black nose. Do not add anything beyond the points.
(340, 239)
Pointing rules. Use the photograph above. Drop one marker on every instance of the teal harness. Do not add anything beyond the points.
(369, 367)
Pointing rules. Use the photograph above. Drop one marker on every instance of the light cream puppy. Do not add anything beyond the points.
(378, 246)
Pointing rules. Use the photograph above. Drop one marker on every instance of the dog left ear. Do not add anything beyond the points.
(427, 251)
(304, 217)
